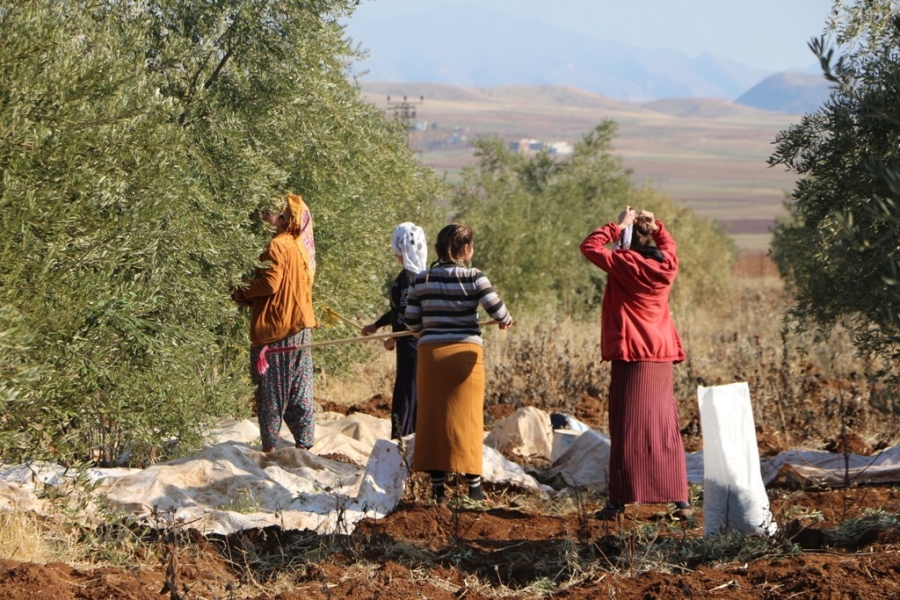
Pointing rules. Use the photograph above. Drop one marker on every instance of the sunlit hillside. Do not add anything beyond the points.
(709, 154)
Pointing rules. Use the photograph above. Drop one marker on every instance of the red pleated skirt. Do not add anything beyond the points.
(646, 462)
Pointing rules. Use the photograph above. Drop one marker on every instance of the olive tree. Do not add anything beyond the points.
(840, 249)
(138, 139)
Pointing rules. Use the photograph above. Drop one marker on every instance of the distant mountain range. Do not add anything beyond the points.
(478, 47)
(549, 99)
(794, 93)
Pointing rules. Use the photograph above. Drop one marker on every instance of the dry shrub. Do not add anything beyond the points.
(548, 363)
(23, 538)
(360, 381)
(805, 391)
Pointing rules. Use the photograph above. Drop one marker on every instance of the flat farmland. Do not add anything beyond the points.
(707, 154)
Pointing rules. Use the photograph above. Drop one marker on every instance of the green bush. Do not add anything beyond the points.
(531, 212)
(137, 140)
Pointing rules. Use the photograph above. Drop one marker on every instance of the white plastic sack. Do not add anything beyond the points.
(585, 462)
(734, 497)
(527, 432)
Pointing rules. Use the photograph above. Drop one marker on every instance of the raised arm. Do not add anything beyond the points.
(594, 245)
(663, 240)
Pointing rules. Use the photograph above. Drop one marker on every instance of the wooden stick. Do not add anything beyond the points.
(366, 338)
(262, 363)
(342, 318)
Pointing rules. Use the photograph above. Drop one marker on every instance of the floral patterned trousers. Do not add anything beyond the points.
(285, 392)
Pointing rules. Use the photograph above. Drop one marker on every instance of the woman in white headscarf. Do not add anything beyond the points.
(411, 250)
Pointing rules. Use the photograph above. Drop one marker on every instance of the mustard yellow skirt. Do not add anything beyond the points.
(450, 419)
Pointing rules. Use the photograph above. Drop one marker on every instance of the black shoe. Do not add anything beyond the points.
(610, 512)
(439, 494)
(682, 511)
(477, 493)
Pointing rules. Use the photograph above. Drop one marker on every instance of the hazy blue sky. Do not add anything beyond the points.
(766, 34)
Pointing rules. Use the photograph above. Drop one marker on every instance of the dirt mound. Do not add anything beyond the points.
(497, 412)
(849, 442)
(378, 405)
(769, 441)
(514, 548)
(592, 411)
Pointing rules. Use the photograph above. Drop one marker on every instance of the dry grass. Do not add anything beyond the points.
(363, 380)
(805, 391)
(23, 537)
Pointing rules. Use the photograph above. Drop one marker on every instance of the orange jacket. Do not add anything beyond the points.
(636, 324)
(280, 294)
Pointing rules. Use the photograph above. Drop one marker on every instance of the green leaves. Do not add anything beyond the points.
(530, 213)
(138, 139)
(840, 250)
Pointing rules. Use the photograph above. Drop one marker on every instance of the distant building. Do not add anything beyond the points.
(531, 146)
(561, 148)
(525, 145)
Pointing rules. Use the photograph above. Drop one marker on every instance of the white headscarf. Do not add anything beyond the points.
(409, 244)
(624, 241)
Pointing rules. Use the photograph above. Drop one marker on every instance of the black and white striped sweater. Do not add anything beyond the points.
(443, 304)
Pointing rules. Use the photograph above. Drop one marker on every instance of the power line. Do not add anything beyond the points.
(405, 111)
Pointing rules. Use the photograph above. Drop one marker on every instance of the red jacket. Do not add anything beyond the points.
(636, 322)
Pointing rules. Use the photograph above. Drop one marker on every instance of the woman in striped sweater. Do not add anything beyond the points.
(442, 309)
(646, 463)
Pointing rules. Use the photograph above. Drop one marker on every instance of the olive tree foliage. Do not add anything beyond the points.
(840, 249)
(530, 213)
(138, 139)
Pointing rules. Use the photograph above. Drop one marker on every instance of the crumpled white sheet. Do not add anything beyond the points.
(230, 486)
(584, 463)
(526, 433)
(351, 472)
(830, 469)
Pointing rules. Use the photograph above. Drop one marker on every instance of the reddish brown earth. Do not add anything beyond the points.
(377, 406)
(423, 551)
(830, 546)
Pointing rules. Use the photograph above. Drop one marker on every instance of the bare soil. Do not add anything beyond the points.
(510, 551)
(841, 543)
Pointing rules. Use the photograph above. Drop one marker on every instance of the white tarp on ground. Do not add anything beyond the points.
(584, 463)
(831, 469)
(229, 487)
(353, 472)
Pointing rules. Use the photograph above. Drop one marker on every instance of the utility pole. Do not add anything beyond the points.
(405, 111)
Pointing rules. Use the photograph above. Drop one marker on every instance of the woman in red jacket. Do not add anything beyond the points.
(646, 463)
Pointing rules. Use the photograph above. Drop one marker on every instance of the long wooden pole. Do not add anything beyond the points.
(262, 365)
(366, 338)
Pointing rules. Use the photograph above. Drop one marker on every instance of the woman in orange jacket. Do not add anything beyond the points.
(280, 298)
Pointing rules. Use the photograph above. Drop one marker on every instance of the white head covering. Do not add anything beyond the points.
(409, 244)
(624, 241)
